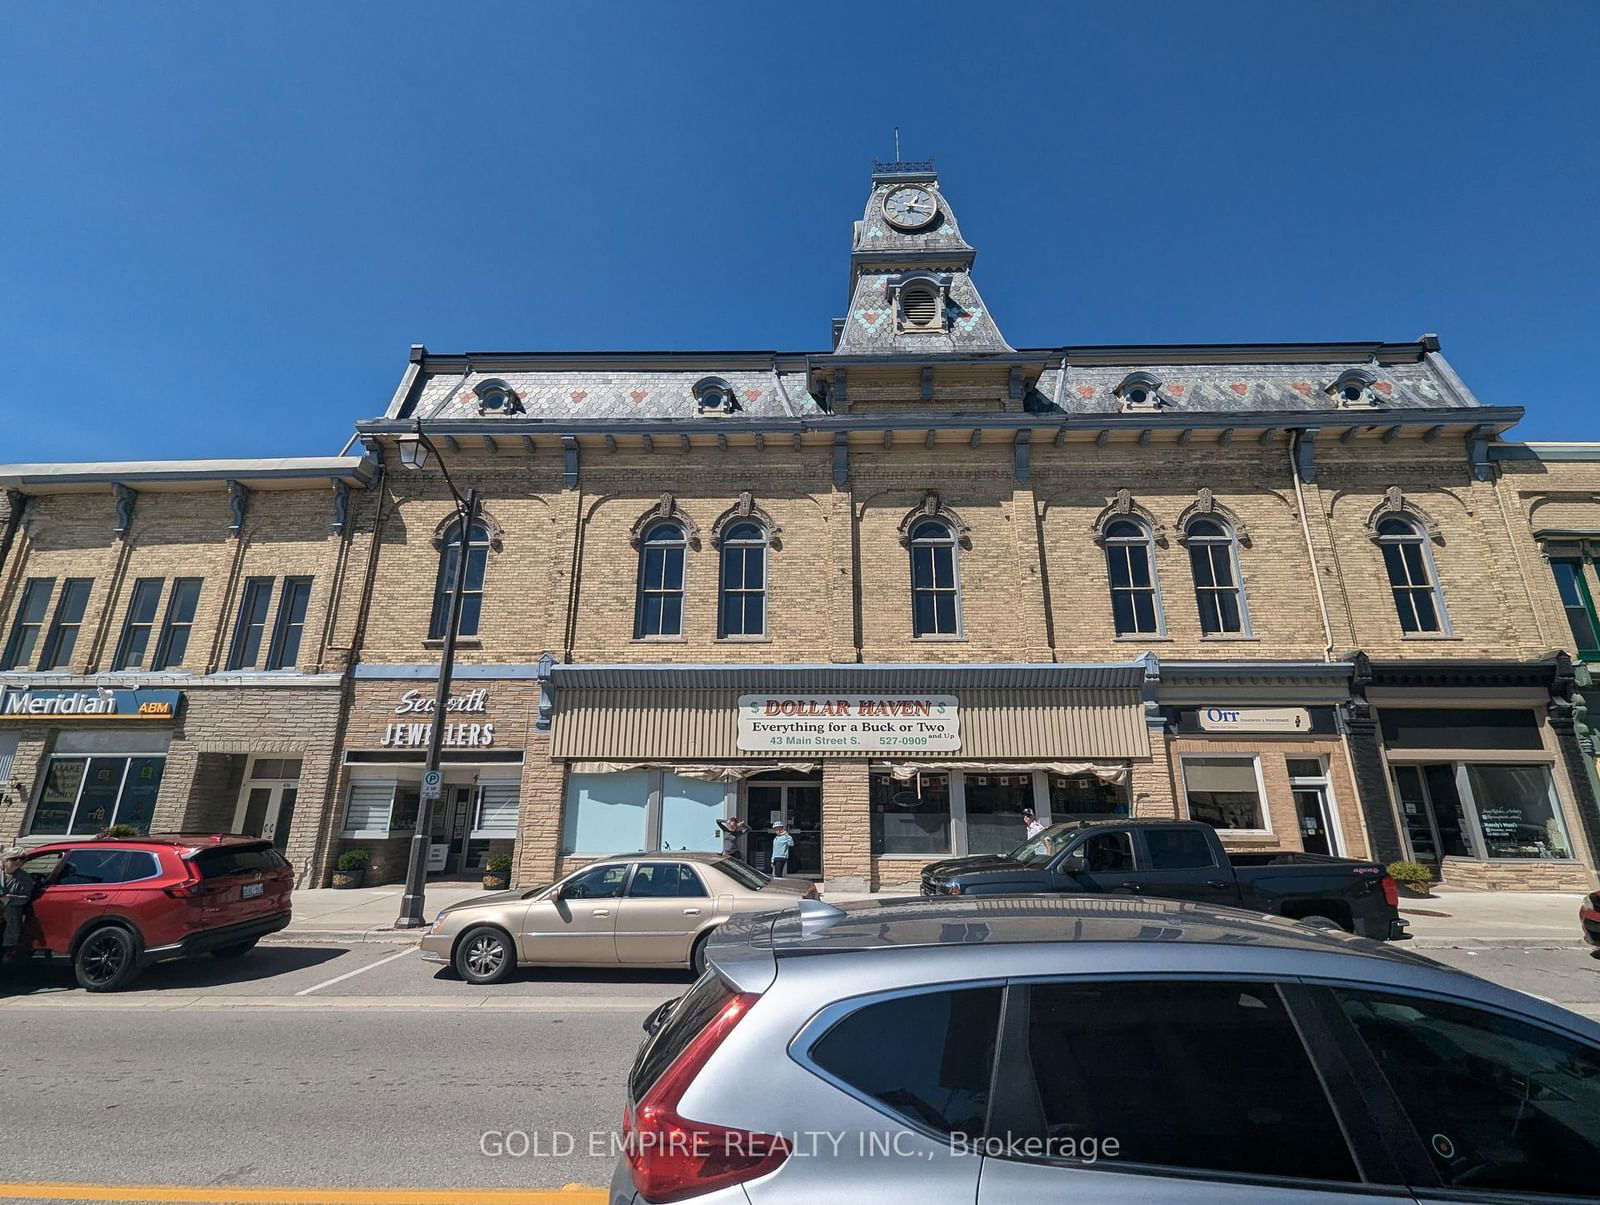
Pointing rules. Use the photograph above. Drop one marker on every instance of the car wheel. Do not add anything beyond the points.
(237, 950)
(697, 956)
(485, 955)
(1320, 921)
(106, 960)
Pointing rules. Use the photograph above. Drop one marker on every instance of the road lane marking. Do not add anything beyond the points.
(371, 966)
(232, 1194)
(491, 1004)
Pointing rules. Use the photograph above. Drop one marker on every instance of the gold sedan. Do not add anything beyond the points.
(644, 910)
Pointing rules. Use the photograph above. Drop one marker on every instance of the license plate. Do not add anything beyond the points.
(251, 890)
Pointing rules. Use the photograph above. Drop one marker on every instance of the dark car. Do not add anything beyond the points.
(1180, 860)
(1589, 918)
(113, 907)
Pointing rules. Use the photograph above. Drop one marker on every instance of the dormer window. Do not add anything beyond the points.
(1139, 391)
(1353, 387)
(713, 395)
(496, 397)
(919, 301)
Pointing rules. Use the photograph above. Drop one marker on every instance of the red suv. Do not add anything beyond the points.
(114, 906)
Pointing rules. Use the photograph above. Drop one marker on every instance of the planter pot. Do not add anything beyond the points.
(345, 879)
(1414, 893)
(496, 882)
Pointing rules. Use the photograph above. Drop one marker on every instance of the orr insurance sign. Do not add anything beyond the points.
(848, 723)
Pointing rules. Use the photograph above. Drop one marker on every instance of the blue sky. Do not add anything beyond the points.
(225, 223)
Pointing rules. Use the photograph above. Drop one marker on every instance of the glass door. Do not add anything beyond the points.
(1313, 805)
(799, 806)
(267, 810)
(1417, 813)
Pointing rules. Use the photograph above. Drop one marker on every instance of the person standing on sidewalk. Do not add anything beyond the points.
(16, 894)
(733, 831)
(782, 843)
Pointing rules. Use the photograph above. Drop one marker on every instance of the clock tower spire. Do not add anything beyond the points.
(911, 290)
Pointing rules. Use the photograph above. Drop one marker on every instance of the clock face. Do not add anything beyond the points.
(910, 208)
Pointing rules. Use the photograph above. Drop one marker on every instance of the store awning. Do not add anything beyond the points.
(1031, 713)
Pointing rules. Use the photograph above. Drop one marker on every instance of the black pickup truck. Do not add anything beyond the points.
(1179, 860)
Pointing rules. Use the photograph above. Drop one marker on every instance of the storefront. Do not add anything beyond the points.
(99, 756)
(225, 753)
(379, 796)
(1479, 778)
(1257, 751)
(875, 770)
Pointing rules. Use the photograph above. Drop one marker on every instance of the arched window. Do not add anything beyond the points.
(935, 597)
(660, 606)
(1218, 589)
(1130, 564)
(1411, 576)
(472, 592)
(744, 581)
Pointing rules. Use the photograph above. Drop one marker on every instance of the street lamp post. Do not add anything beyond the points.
(415, 452)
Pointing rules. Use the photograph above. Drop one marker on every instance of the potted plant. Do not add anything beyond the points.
(117, 832)
(497, 872)
(351, 869)
(1413, 878)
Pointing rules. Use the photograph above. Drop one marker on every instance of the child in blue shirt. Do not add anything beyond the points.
(782, 843)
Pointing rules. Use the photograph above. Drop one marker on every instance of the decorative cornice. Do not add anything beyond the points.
(1206, 506)
(665, 509)
(932, 506)
(1395, 503)
(745, 508)
(1123, 506)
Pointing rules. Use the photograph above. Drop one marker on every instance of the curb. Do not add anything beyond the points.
(1492, 943)
(382, 936)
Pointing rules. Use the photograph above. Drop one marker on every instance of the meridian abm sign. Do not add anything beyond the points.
(25, 706)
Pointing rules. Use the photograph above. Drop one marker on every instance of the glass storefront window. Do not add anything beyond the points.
(82, 795)
(911, 815)
(606, 813)
(1225, 792)
(1078, 795)
(994, 811)
(1517, 812)
(690, 809)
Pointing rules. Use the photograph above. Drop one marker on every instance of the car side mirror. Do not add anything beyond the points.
(1074, 864)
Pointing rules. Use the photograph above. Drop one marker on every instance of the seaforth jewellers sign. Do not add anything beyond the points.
(853, 723)
(18, 706)
(463, 734)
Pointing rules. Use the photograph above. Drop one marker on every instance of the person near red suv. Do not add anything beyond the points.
(114, 906)
(16, 893)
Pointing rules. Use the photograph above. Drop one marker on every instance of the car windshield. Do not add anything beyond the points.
(745, 876)
(1042, 850)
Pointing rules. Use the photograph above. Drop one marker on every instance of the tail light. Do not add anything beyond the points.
(189, 889)
(672, 1157)
(1391, 893)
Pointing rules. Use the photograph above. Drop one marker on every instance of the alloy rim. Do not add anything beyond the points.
(484, 956)
(104, 958)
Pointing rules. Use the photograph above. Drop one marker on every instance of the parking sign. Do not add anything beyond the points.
(432, 784)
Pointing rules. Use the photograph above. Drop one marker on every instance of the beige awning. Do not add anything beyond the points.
(997, 724)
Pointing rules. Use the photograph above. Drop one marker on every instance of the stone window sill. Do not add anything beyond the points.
(462, 642)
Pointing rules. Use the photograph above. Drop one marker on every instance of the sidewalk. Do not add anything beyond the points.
(1453, 918)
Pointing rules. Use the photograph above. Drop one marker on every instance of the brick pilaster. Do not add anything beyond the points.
(846, 826)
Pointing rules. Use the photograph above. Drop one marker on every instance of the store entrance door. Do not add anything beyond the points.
(799, 806)
(266, 809)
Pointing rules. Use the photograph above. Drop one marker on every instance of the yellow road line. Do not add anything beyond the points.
(233, 1194)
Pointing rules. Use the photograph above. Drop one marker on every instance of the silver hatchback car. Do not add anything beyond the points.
(1019, 1049)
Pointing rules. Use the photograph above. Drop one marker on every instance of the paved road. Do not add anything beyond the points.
(360, 1065)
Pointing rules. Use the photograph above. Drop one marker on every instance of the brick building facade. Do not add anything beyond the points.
(894, 592)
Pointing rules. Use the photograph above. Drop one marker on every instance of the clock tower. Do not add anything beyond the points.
(911, 290)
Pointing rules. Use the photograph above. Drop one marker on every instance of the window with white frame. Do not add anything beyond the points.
(1226, 793)
(496, 814)
(659, 609)
(1218, 587)
(1130, 565)
(1412, 579)
(744, 582)
(935, 596)
(376, 808)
